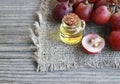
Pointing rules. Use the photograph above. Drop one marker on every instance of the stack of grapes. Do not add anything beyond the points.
(99, 11)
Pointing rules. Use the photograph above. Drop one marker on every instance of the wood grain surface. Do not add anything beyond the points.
(16, 51)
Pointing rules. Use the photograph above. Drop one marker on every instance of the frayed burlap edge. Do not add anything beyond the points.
(100, 62)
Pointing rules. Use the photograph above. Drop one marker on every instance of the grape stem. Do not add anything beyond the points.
(114, 7)
(117, 8)
(75, 1)
(111, 7)
(67, 1)
(70, 4)
(86, 2)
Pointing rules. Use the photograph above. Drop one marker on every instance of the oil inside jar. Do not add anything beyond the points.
(70, 36)
(71, 29)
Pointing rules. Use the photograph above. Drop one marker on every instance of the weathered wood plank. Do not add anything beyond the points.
(60, 78)
(75, 82)
(19, 2)
(20, 8)
(7, 21)
(15, 31)
(16, 55)
(14, 18)
(17, 65)
(15, 5)
(90, 76)
(24, 6)
(17, 47)
(17, 17)
(15, 39)
(33, 82)
(15, 24)
(77, 72)
(15, 60)
(16, 12)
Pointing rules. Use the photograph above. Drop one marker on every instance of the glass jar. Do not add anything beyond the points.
(71, 35)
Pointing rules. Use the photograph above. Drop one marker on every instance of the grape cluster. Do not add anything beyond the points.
(99, 11)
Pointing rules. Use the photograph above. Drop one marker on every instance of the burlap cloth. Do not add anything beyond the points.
(53, 55)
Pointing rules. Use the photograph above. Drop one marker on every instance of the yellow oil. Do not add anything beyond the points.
(70, 37)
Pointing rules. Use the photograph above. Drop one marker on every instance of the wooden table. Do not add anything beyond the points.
(16, 51)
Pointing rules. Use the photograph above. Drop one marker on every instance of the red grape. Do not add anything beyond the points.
(113, 1)
(115, 21)
(92, 1)
(84, 11)
(114, 40)
(101, 15)
(75, 5)
(62, 0)
(100, 3)
(60, 10)
(92, 43)
(71, 1)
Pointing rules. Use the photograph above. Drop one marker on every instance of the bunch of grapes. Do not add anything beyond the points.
(99, 11)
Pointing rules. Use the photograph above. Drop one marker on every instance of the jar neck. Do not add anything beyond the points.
(71, 27)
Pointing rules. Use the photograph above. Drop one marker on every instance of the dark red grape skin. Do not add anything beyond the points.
(62, 0)
(115, 21)
(71, 1)
(101, 15)
(60, 10)
(75, 5)
(100, 3)
(84, 11)
(114, 40)
(113, 1)
(92, 1)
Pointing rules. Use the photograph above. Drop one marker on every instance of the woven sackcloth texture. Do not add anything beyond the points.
(53, 55)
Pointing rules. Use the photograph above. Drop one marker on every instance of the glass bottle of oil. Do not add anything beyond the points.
(71, 29)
